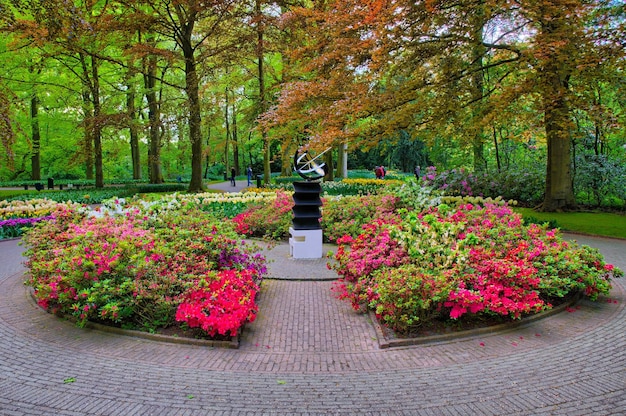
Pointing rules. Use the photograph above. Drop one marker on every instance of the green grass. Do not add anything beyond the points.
(592, 223)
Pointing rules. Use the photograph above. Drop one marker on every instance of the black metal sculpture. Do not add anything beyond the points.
(307, 166)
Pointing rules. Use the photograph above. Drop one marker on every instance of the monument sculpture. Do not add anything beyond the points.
(306, 231)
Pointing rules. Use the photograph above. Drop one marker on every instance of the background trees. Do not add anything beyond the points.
(487, 84)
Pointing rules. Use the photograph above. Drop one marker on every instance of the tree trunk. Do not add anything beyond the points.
(195, 120)
(260, 50)
(132, 127)
(35, 159)
(154, 146)
(497, 148)
(559, 191)
(227, 141)
(328, 160)
(234, 136)
(97, 125)
(477, 85)
(342, 161)
(555, 72)
(206, 157)
(88, 139)
(286, 159)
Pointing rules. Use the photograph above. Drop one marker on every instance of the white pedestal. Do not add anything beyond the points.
(305, 244)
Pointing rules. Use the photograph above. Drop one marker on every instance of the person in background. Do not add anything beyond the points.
(249, 172)
(417, 172)
(232, 176)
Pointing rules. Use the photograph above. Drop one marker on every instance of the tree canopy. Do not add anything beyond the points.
(201, 85)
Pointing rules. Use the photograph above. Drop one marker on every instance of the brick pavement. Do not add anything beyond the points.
(310, 354)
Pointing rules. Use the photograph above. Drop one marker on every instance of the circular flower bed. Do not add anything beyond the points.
(463, 263)
(145, 269)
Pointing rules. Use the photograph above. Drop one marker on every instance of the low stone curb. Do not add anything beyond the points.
(233, 343)
(384, 342)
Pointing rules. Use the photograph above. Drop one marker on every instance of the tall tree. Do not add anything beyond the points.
(421, 67)
(131, 110)
(201, 32)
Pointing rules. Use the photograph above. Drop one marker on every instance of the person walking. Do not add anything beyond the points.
(232, 176)
(249, 172)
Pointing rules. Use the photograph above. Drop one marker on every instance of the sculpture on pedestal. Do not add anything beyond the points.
(306, 230)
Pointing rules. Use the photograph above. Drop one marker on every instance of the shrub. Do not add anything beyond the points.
(358, 258)
(270, 220)
(220, 302)
(358, 186)
(347, 215)
(526, 186)
(133, 268)
(463, 261)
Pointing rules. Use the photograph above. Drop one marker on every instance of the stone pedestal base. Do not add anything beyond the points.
(305, 244)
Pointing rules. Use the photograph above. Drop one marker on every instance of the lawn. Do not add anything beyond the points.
(592, 223)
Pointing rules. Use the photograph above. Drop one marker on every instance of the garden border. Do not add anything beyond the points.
(385, 343)
(233, 343)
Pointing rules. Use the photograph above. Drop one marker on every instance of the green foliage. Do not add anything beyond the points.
(81, 196)
(465, 261)
(593, 223)
(131, 269)
(362, 186)
(161, 187)
(523, 186)
(600, 181)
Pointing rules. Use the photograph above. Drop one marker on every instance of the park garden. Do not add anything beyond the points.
(417, 258)
(498, 123)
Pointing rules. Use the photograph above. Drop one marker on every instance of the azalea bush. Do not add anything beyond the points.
(461, 262)
(524, 185)
(220, 302)
(341, 215)
(136, 269)
(346, 215)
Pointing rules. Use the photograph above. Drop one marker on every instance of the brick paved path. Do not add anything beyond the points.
(309, 354)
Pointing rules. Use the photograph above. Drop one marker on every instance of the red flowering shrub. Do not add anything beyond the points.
(134, 270)
(267, 220)
(220, 303)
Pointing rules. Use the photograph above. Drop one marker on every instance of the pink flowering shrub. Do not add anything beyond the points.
(358, 258)
(348, 214)
(267, 220)
(133, 270)
(463, 262)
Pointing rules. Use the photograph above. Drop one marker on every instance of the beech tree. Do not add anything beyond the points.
(441, 70)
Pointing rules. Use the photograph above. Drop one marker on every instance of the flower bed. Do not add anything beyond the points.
(473, 262)
(145, 270)
(18, 216)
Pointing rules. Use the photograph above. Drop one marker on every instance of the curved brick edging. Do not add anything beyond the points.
(233, 343)
(386, 342)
